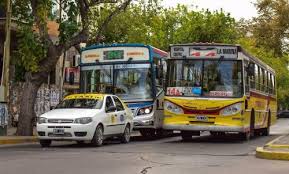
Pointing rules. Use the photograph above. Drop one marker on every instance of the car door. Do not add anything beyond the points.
(121, 114)
(111, 117)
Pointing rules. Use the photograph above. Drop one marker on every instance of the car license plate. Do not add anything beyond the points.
(58, 131)
(201, 118)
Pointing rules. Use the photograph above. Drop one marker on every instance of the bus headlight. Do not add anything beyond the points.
(145, 110)
(173, 108)
(231, 110)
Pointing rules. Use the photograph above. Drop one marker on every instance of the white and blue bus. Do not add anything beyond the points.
(135, 73)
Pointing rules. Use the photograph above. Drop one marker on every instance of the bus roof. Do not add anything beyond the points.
(123, 45)
(239, 49)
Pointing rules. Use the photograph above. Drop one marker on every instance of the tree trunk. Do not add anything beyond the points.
(27, 114)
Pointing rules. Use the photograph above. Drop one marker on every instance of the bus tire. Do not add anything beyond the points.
(148, 133)
(266, 131)
(245, 135)
(252, 124)
(186, 135)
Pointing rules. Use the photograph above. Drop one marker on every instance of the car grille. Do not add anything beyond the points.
(66, 134)
(60, 121)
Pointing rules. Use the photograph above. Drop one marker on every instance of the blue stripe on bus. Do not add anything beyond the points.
(140, 104)
(115, 45)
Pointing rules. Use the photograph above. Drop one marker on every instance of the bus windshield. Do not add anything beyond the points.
(205, 78)
(133, 82)
(128, 81)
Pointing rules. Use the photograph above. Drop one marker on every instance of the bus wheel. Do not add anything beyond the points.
(245, 135)
(148, 133)
(186, 135)
(266, 131)
(252, 124)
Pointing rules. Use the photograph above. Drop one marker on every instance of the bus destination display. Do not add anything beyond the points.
(113, 54)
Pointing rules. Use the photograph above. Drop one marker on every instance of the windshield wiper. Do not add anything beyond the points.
(221, 59)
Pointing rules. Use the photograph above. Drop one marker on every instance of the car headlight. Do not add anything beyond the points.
(41, 120)
(231, 110)
(145, 110)
(173, 108)
(83, 120)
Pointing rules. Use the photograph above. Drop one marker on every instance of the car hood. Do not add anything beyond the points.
(70, 113)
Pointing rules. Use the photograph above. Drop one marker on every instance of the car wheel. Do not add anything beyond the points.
(126, 135)
(97, 139)
(45, 143)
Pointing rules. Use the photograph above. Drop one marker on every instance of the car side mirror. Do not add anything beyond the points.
(251, 69)
(111, 109)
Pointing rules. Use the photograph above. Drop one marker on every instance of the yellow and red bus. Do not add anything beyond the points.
(218, 88)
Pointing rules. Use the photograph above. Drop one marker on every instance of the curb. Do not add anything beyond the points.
(274, 154)
(267, 154)
(18, 140)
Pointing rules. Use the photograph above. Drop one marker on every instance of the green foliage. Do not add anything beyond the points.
(30, 50)
(68, 22)
(152, 24)
(272, 24)
(279, 64)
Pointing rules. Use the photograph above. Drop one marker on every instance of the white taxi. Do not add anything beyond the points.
(86, 117)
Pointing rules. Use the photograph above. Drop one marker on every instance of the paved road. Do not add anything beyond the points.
(202, 155)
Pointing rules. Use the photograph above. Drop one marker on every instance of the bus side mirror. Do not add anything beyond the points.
(251, 69)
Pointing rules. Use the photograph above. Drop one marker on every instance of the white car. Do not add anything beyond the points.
(86, 117)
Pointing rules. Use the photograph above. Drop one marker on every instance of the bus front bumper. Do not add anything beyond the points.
(216, 128)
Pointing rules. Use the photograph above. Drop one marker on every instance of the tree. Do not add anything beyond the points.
(39, 54)
(158, 26)
(272, 24)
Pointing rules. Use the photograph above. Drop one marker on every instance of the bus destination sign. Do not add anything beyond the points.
(204, 52)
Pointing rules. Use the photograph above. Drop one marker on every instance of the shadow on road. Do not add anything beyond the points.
(225, 139)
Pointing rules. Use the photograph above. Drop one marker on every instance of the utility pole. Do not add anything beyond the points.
(6, 58)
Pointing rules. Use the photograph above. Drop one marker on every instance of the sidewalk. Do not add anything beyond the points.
(12, 139)
(277, 149)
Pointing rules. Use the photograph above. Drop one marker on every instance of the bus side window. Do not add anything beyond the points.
(257, 84)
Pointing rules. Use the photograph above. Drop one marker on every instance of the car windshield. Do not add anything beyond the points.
(205, 78)
(133, 82)
(80, 103)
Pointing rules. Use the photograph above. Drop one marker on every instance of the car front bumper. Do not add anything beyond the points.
(73, 132)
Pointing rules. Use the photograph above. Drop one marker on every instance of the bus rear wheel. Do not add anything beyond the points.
(266, 131)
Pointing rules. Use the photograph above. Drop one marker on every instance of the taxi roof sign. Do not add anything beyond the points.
(84, 96)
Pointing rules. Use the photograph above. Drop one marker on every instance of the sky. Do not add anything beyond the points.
(237, 8)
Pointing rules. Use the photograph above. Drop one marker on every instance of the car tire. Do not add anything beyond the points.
(125, 138)
(97, 139)
(45, 143)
